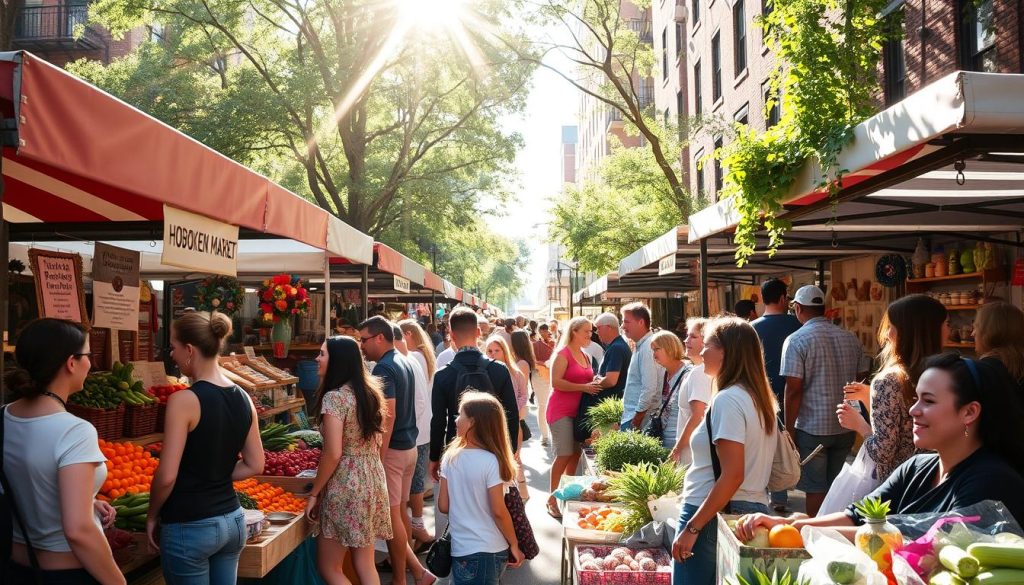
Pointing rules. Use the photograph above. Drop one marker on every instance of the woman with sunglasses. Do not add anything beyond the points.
(53, 463)
(968, 414)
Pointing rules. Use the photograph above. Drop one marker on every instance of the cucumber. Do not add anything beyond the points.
(999, 577)
(842, 573)
(134, 511)
(957, 560)
(946, 578)
(993, 554)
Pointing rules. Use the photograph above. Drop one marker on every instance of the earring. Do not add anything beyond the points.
(965, 430)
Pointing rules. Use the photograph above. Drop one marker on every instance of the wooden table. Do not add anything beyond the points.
(277, 542)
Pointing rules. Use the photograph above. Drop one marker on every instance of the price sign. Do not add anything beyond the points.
(150, 373)
(250, 352)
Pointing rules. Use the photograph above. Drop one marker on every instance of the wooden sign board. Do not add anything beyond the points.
(59, 290)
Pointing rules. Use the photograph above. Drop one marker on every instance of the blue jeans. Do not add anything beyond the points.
(479, 568)
(701, 567)
(203, 552)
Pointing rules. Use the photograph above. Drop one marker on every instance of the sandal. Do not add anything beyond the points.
(428, 578)
(553, 510)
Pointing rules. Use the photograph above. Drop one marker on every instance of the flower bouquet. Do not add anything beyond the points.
(220, 293)
(281, 298)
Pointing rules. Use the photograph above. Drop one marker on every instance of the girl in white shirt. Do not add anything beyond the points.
(475, 469)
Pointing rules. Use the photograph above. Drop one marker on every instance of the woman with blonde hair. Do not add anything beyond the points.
(572, 374)
(475, 469)
(499, 351)
(669, 353)
(732, 464)
(999, 336)
(694, 394)
(421, 353)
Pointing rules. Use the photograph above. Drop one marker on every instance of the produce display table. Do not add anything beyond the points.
(291, 406)
(271, 547)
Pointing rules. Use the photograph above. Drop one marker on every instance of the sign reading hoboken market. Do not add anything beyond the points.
(115, 288)
(59, 290)
(199, 243)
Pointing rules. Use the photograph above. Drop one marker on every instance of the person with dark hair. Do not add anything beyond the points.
(53, 462)
(967, 417)
(202, 528)
(773, 327)
(377, 336)
(746, 309)
(817, 361)
(348, 504)
(999, 337)
(642, 392)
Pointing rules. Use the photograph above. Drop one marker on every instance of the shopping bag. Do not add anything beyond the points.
(835, 559)
(851, 485)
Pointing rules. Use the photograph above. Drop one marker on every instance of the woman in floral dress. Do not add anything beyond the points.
(348, 505)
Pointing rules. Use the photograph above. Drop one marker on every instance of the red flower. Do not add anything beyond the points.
(303, 295)
(268, 295)
(266, 308)
(281, 305)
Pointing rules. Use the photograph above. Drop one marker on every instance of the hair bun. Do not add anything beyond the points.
(220, 325)
(20, 382)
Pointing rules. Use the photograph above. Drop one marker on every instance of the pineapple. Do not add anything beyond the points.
(760, 578)
(873, 508)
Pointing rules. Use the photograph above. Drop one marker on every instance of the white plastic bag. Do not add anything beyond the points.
(827, 545)
(666, 507)
(851, 485)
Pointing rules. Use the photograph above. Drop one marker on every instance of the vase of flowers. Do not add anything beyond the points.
(281, 299)
(220, 293)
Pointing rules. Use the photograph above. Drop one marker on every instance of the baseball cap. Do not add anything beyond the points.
(607, 319)
(810, 296)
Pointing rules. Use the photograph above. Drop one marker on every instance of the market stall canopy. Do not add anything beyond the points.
(78, 155)
(945, 160)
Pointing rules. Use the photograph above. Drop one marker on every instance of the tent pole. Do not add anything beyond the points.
(821, 275)
(705, 305)
(433, 305)
(327, 295)
(4, 299)
(365, 292)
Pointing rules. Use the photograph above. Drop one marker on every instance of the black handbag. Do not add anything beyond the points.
(525, 428)
(9, 512)
(439, 555)
(655, 428)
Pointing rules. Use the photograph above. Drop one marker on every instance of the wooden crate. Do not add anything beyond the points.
(295, 485)
(277, 542)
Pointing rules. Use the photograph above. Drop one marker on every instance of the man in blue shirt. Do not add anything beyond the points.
(773, 328)
(617, 355)
(398, 454)
(642, 393)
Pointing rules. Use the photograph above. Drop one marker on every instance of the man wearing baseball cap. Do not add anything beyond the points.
(817, 361)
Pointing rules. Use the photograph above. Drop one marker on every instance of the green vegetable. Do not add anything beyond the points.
(842, 572)
(616, 450)
(957, 560)
(999, 577)
(998, 554)
(760, 578)
(639, 484)
(605, 414)
(946, 578)
(246, 502)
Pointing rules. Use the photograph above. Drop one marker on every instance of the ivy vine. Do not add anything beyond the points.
(828, 52)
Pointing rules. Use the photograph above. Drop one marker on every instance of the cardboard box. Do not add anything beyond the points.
(735, 558)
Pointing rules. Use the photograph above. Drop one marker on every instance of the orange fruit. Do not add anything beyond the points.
(785, 536)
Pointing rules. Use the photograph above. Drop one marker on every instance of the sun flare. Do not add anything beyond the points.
(432, 15)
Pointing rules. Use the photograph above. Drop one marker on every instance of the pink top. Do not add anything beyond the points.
(563, 404)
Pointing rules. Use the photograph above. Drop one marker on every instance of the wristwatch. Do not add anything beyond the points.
(692, 530)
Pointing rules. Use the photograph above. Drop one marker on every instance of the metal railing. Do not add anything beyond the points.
(642, 28)
(54, 23)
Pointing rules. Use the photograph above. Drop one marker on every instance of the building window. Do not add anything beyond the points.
(698, 105)
(668, 117)
(716, 67)
(680, 31)
(894, 61)
(699, 165)
(695, 12)
(739, 35)
(719, 176)
(664, 53)
(978, 35)
(772, 103)
(742, 115)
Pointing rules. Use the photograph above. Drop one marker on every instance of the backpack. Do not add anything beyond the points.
(474, 377)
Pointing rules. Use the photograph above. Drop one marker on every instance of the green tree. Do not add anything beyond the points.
(601, 222)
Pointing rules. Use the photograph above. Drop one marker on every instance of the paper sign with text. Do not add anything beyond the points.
(115, 288)
(151, 373)
(59, 290)
(199, 243)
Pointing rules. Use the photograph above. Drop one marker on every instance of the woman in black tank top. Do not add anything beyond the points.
(201, 525)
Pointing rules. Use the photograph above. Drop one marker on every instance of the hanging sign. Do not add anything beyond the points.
(402, 284)
(115, 288)
(667, 265)
(59, 290)
(199, 243)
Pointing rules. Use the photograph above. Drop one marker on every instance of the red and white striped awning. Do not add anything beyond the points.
(83, 156)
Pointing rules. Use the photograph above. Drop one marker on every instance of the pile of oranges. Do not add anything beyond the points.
(271, 498)
(129, 469)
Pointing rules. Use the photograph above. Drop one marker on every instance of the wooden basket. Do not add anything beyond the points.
(161, 414)
(140, 420)
(109, 422)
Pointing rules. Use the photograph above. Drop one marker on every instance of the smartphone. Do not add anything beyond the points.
(853, 403)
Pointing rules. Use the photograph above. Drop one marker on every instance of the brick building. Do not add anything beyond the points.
(57, 30)
(668, 19)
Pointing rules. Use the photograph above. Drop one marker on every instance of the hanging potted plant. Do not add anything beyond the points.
(220, 293)
(281, 298)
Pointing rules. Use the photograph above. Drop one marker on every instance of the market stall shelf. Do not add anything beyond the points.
(271, 547)
(292, 406)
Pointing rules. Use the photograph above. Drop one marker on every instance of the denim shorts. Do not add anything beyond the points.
(479, 568)
(819, 473)
(203, 552)
(700, 569)
(420, 475)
